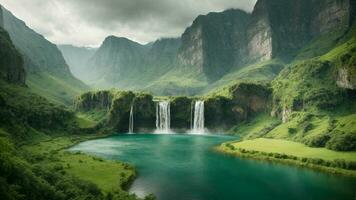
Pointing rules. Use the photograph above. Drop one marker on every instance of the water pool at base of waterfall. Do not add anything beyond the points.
(185, 167)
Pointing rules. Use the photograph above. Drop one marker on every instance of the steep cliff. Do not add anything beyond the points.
(280, 28)
(11, 63)
(215, 43)
(1, 17)
(47, 72)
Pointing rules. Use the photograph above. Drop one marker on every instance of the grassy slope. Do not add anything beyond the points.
(30, 126)
(293, 148)
(263, 72)
(54, 88)
(256, 126)
(293, 153)
(178, 81)
(313, 125)
(189, 81)
(107, 175)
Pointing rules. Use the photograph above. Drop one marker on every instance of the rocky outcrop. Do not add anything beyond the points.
(215, 43)
(346, 73)
(182, 109)
(117, 104)
(100, 100)
(11, 63)
(253, 98)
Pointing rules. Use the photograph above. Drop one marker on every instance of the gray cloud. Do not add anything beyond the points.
(88, 22)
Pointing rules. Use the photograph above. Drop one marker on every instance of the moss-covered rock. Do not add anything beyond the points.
(94, 100)
(144, 112)
(181, 110)
(120, 111)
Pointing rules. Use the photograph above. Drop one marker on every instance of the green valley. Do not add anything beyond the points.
(227, 100)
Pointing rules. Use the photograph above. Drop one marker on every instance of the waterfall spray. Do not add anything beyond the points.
(163, 117)
(131, 120)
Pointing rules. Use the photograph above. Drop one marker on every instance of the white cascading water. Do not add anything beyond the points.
(198, 125)
(131, 120)
(163, 117)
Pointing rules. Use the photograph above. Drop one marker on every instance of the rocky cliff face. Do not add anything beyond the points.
(329, 15)
(280, 28)
(215, 43)
(11, 63)
(346, 72)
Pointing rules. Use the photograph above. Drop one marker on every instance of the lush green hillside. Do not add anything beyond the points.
(315, 99)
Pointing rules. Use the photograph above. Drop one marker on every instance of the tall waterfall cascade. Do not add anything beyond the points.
(198, 122)
(163, 117)
(131, 120)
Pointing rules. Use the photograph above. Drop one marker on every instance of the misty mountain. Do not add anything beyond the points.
(220, 48)
(47, 71)
(124, 63)
(77, 59)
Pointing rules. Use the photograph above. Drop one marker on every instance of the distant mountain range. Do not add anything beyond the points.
(215, 46)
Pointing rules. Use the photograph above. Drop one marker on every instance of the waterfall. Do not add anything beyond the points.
(198, 125)
(163, 117)
(131, 120)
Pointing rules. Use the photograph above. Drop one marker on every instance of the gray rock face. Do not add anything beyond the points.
(329, 15)
(215, 43)
(279, 28)
(346, 79)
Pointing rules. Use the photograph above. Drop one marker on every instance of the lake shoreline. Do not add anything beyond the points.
(125, 178)
(283, 158)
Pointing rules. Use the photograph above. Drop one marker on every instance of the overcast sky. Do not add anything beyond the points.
(88, 22)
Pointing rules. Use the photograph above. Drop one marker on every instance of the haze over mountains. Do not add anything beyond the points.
(214, 47)
(47, 71)
(216, 51)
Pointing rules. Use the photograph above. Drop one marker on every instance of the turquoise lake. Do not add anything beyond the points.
(184, 167)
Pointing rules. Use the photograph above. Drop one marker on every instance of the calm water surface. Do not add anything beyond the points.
(184, 167)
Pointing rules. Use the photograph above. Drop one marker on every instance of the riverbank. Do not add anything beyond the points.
(293, 153)
(111, 177)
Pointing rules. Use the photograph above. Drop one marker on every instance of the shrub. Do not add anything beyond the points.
(317, 141)
(292, 130)
(342, 142)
